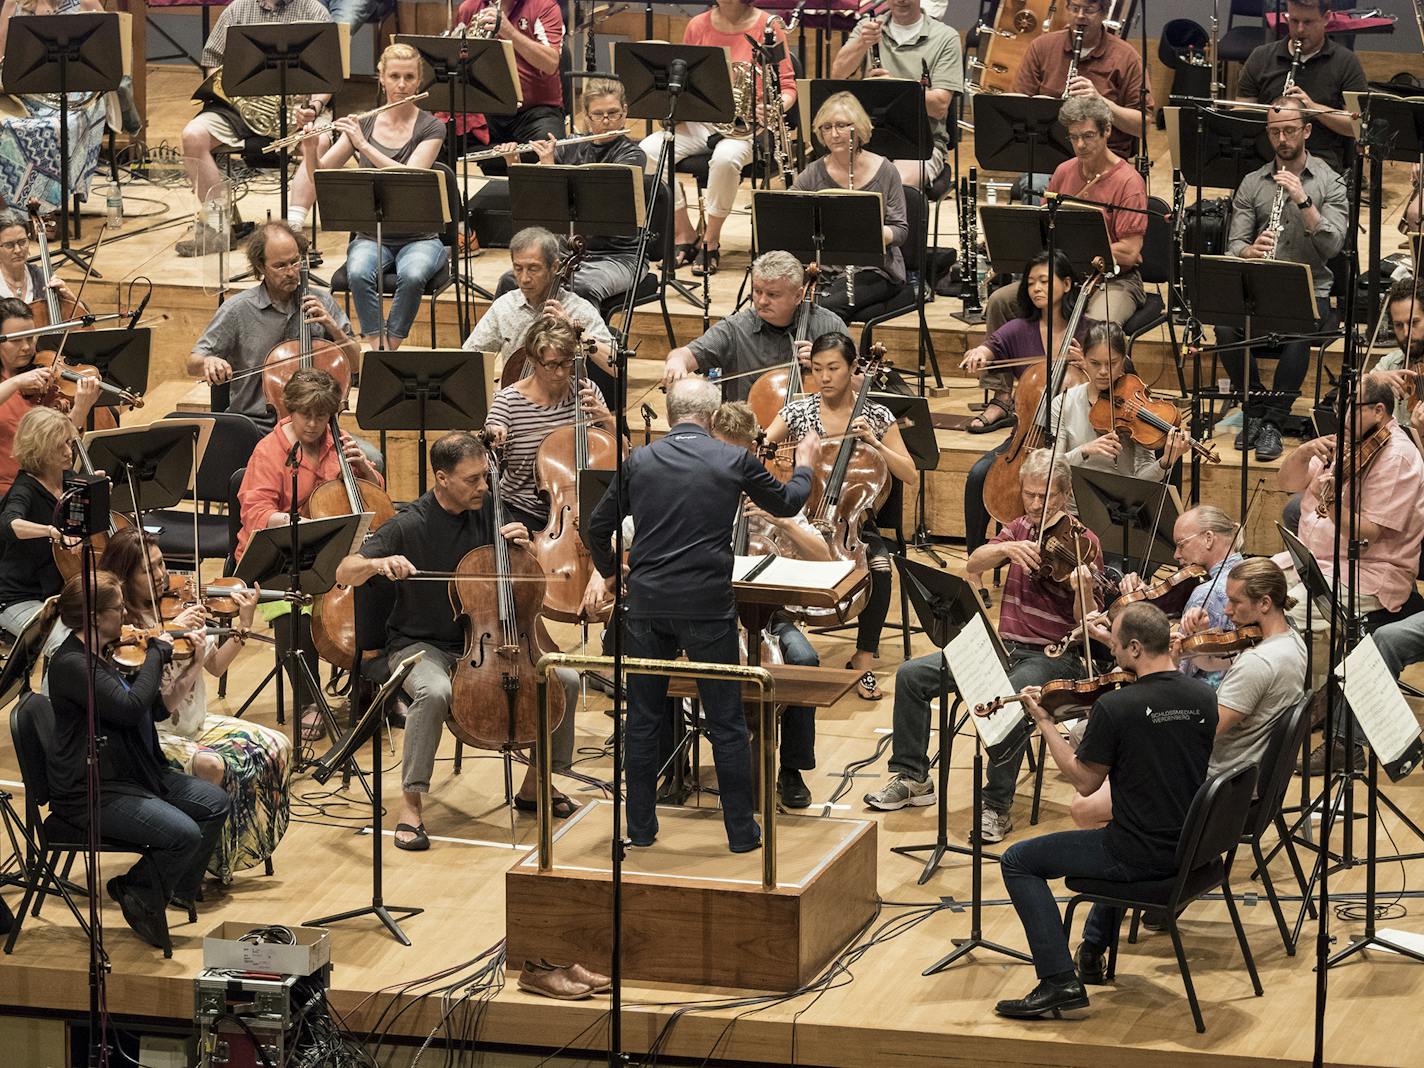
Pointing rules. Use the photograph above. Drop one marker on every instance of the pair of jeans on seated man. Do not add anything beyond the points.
(917, 691)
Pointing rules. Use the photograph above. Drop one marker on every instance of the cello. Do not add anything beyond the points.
(558, 466)
(333, 622)
(781, 385)
(290, 357)
(518, 363)
(494, 687)
(1002, 496)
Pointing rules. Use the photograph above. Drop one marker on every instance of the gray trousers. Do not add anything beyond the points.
(1401, 643)
(603, 276)
(14, 617)
(429, 691)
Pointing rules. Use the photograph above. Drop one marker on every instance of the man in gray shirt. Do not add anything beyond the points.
(764, 335)
(1313, 220)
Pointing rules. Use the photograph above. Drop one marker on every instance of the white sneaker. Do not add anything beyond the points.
(994, 825)
(901, 791)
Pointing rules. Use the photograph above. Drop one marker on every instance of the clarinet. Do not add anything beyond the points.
(1294, 68)
(969, 226)
(1073, 61)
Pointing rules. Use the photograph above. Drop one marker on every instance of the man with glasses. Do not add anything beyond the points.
(1326, 73)
(1312, 232)
(1107, 68)
(911, 44)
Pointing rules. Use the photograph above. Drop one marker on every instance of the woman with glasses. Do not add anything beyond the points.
(44, 450)
(843, 127)
(19, 277)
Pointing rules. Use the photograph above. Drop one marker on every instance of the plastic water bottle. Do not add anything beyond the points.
(115, 204)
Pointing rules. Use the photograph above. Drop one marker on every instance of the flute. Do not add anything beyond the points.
(292, 140)
(528, 146)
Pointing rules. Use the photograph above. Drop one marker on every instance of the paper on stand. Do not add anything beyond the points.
(1373, 694)
(979, 676)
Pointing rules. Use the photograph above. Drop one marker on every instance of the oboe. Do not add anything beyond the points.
(1073, 59)
(850, 184)
(1276, 225)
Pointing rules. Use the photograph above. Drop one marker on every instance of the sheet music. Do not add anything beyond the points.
(1383, 713)
(979, 676)
(784, 571)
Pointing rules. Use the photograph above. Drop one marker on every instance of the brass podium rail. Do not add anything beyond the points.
(690, 669)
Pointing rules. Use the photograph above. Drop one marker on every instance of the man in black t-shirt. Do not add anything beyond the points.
(433, 534)
(1152, 740)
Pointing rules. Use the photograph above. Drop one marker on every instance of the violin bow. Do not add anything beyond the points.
(79, 296)
(1235, 538)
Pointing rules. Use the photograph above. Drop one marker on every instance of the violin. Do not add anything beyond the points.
(778, 387)
(1034, 392)
(131, 648)
(333, 622)
(1169, 594)
(1133, 413)
(217, 597)
(1065, 699)
(495, 682)
(1358, 460)
(306, 351)
(562, 457)
(1063, 548)
(1219, 642)
(518, 363)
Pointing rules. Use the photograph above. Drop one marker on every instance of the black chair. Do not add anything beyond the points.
(32, 730)
(1158, 252)
(1278, 764)
(1205, 851)
(1239, 41)
(442, 279)
(233, 439)
(906, 298)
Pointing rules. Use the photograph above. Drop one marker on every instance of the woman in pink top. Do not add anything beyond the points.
(728, 24)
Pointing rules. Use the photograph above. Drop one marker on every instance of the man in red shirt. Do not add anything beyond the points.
(1035, 614)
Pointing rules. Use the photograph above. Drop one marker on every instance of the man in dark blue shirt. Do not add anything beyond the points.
(683, 493)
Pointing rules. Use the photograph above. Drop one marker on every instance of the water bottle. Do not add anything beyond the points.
(115, 203)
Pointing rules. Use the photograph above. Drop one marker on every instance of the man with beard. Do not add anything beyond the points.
(1404, 304)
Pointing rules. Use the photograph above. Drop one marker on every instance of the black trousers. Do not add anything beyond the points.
(1292, 363)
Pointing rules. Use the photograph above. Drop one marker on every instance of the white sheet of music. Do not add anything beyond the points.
(980, 677)
(784, 571)
(1383, 713)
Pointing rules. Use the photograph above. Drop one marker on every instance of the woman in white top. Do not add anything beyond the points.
(19, 277)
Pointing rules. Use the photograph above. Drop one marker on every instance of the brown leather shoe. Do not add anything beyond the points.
(599, 984)
(552, 983)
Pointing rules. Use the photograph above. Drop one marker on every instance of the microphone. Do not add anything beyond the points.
(293, 456)
(647, 413)
(925, 73)
(138, 313)
(677, 76)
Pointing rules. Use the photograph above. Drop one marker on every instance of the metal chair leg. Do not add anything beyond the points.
(1186, 973)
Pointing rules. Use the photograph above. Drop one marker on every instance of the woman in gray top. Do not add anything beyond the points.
(842, 126)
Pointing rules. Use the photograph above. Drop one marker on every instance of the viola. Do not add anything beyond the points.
(1219, 642)
(333, 623)
(1169, 594)
(1065, 698)
(1062, 547)
(495, 682)
(306, 351)
(1131, 411)
(1358, 460)
(518, 362)
(561, 458)
(778, 387)
(1034, 393)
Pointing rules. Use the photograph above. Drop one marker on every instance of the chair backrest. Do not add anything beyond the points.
(1278, 763)
(32, 732)
(372, 605)
(917, 219)
(234, 516)
(231, 442)
(1158, 246)
(1216, 817)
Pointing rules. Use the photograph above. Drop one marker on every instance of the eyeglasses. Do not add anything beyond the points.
(1277, 133)
(1084, 138)
(16, 246)
(1189, 537)
(555, 365)
(1084, 9)
(607, 116)
(285, 265)
(834, 127)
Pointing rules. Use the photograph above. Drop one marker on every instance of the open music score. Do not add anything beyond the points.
(784, 571)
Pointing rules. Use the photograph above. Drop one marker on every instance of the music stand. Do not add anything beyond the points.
(1016, 233)
(896, 107)
(1019, 133)
(912, 416)
(1216, 149)
(395, 200)
(591, 199)
(671, 84)
(121, 357)
(87, 51)
(464, 76)
(841, 227)
(421, 390)
(282, 59)
(150, 466)
(1142, 510)
(1267, 300)
(1393, 123)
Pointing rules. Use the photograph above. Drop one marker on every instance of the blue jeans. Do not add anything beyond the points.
(416, 264)
(798, 723)
(354, 13)
(180, 831)
(1027, 867)
(713, 640)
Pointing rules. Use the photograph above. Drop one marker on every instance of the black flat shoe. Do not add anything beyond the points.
(1049, 998)
(792, 788)
(150, 926)
(1092, 965)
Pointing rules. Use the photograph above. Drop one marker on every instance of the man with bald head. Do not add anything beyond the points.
(683, 493)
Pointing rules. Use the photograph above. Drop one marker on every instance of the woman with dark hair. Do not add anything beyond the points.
(246, 759)
(176, 818)
(1022, 338)
(828, 411)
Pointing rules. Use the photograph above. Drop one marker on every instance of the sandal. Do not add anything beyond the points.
(313, 729)
(419, 839)
(867, 686)
(563, 807)
(686, 255)
(712, 258)
(982, 424)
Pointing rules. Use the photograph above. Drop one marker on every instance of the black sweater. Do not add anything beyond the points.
(27, 571)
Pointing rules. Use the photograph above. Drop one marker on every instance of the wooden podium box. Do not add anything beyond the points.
(693, 912)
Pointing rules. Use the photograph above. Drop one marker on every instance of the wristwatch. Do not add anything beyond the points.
(1306, 203)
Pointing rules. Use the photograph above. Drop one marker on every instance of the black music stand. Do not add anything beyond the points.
(368, 723)
(392, 200)
(1016, 233)
(282, 59)
(1019, 133)
(150, 466)
(79, 52)
(302, 557)
(591, 199)
(1267, 300)
(121, 357)
(896, 108)
(1216, 149)
(1142, 511)
(844, 229)
(466, 76)
(421, 390)
(671, 84)
(912, 416)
